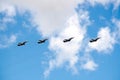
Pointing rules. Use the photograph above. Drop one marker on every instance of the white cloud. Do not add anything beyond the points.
(89, 65)
(8, 17)
(116, 23)
(116, 3)
(105, 43)
(9, 10)
(7, 41)
(68, 52)
(105, 3)
(12, 39)
(50, 15)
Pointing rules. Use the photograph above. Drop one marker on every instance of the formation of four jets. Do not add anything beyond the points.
(65, 40)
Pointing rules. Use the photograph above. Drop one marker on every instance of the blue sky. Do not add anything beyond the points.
(57, 20)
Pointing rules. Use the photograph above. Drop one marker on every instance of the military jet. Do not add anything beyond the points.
(94, 40)
(68, 40)
(41, 41)
(21, 43)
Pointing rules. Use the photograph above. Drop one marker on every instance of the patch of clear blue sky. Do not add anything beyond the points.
(24, 63)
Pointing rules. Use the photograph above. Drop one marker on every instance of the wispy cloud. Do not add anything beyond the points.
(116, 23)
(8, 13)
(89, 65)
(9, 10)
(87, 62)
(6, 41)
(105, 3)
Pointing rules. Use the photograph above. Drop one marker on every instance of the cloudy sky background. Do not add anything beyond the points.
(57, 20)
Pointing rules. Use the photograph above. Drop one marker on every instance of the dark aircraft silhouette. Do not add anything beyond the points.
(68, 40)
(94, 40)
(42, 41)
(21, 43)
